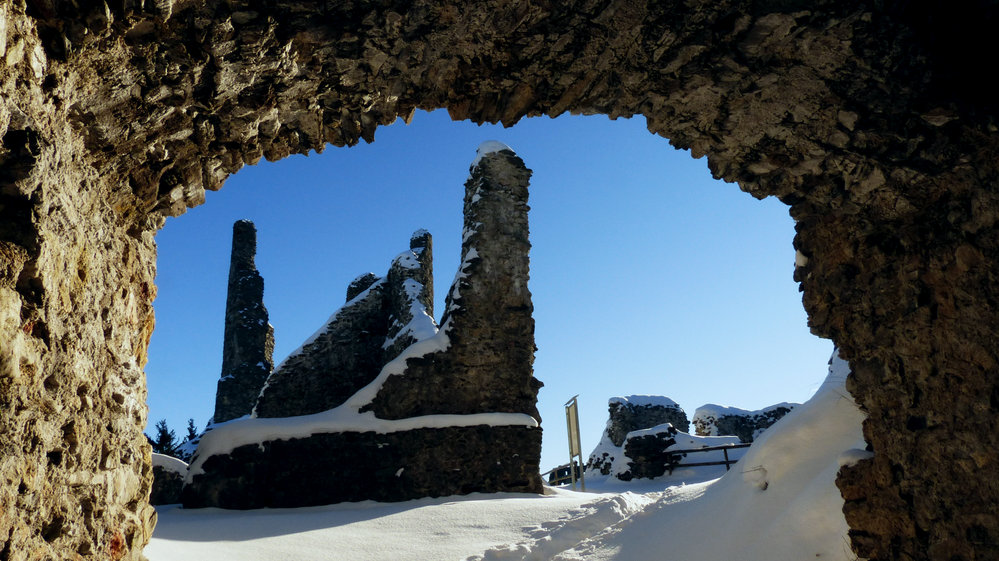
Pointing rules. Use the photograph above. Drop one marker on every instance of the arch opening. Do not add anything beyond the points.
(648, 276)
(112, 120)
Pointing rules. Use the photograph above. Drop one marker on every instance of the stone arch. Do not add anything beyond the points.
(864, 119)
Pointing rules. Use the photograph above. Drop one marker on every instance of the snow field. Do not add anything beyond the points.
(779, 503)
(446, 529)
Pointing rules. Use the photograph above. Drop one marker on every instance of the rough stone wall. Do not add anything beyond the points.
(488, 312)
(409, 290)
(371, 329)
(350, 466)
(331, 368)
(868, 119)
(627, 417)
(166, 488)
(77, 265)
(747, 425)
(647, 455)
(248, 340)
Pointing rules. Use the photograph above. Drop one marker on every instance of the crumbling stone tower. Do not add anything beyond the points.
(488, 312)
(248, 342)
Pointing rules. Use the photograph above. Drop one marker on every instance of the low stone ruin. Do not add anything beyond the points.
(168, 480)
(647, 453)
(636, 412)
(642, 437)
(382, 404)
(627, 414)
(716, 420)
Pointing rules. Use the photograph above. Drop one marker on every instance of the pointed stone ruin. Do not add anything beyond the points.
(382, 317)
(382, 405)
(248, 342)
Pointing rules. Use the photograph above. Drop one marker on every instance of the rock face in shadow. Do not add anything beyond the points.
(636, 412)
(647, 455)
(479, 362)
(716, 420)
(357, 466)
(868, 120)
(166, 487)
(248, 341)
(382, 317)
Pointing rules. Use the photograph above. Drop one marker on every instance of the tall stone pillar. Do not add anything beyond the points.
(248, 345)
(488, 319)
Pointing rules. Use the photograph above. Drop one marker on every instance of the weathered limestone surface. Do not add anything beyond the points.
(480, 361)
(869, 119)
(372, 328)
(248, 341)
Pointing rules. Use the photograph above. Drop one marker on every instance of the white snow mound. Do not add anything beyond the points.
(169, 463)
(488, 147)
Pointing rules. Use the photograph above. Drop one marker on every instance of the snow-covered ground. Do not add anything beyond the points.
(779, 503)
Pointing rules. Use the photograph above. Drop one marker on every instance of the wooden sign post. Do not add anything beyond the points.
(575, 448)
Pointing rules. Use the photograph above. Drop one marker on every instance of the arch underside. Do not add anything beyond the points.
(863, 119)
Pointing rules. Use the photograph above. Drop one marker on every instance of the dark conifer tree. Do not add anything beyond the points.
(165, 441)
(192, 430)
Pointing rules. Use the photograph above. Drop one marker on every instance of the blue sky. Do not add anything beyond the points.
(647, 275)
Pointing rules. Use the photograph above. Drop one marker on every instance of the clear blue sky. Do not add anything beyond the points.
(648, 276)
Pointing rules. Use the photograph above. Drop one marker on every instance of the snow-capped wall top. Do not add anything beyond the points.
(721, 410)
(325, 327)
(717, 420)
(639, 400)
(488, 147)
(169, 463)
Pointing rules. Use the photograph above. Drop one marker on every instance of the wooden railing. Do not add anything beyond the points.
(678, 454)
(562, 474)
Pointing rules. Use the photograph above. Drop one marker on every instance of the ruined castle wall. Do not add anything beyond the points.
(380, 319)
(489, 363)
(337, 467)
(464, 396)
(332, 367)
(869, 120)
